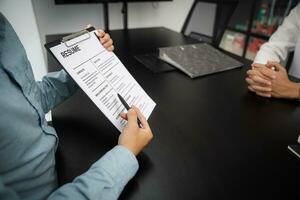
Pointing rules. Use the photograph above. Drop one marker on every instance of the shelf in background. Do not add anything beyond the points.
(252, 24)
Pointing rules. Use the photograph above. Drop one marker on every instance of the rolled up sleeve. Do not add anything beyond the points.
(282, 41)
(54, 88)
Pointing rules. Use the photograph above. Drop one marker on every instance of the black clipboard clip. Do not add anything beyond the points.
(67, 39)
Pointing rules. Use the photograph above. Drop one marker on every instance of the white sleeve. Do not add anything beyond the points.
(282, 41)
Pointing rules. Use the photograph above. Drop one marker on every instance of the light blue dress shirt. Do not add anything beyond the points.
(28, 144)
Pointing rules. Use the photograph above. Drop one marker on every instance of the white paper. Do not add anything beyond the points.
(101, 75)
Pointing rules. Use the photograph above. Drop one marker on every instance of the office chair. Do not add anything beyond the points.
(223, 12)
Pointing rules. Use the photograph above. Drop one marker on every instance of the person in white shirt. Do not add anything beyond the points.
(267, 77)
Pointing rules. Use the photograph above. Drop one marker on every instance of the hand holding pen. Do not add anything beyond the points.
(128, 108)
(133, 137)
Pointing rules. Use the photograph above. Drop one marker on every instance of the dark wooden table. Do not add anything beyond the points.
(213, 139)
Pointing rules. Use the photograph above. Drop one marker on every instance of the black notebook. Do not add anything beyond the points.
(153, 63)
(198, 59)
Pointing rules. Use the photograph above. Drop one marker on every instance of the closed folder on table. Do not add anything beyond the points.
(198, 59)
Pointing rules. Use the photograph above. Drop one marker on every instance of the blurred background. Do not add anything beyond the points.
(250, 24)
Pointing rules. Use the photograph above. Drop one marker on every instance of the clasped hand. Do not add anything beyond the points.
(271, 80)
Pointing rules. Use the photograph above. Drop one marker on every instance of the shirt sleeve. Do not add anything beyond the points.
(7, 193)
(282, 41)
(54, 88)
(105, 179)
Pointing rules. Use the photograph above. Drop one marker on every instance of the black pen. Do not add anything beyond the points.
(128, 107)
(97, 37)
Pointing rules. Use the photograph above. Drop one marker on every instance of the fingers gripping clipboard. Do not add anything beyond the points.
(100, 74)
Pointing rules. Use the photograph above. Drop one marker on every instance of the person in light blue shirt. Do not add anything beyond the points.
(28, 144)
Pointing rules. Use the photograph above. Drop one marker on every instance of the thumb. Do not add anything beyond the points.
(257, 65)
(132, 116)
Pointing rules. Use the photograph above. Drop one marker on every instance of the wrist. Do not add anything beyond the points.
(130, 148)
(294, 91)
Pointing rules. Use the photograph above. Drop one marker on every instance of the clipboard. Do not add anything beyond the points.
(100, 74)
(66, 40)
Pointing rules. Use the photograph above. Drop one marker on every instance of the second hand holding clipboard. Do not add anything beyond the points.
(100, 74)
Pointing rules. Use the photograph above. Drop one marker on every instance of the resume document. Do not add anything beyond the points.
(101, 75)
